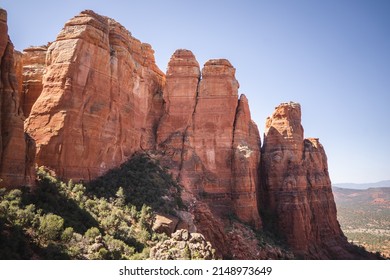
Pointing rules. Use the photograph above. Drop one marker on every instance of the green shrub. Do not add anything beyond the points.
(51, 226)
(67, 234)
(92, 233)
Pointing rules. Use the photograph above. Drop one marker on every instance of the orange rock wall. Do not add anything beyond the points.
(101, 99)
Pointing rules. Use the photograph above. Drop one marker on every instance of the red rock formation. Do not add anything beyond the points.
(34, 62)
(212, 134)
(101, 99)
(297, 196)
(208, 136)
(16, 148)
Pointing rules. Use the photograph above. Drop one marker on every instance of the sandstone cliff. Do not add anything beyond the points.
(297, 199)
(208, 135)
(16, 148)
(100, 101)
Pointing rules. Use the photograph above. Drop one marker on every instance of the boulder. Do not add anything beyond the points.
(164, 223)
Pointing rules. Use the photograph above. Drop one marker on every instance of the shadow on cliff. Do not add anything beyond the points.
(14, 244)
(143, 182)
(50, 199)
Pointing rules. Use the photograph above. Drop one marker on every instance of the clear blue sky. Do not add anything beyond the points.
(331, 56)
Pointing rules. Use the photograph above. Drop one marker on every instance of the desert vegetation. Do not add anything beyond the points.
(66, 220)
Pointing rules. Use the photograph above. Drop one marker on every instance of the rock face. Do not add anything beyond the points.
(101, 99)
(16, 148)
(208, 136)
(297, 199)
(33, 62)
(18, 66)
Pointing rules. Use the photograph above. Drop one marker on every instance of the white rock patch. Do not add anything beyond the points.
(245, 150)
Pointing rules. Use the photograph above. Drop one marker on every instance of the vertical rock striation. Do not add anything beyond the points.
(101, 99)
(297, 199)
(34, 62)
(16, 148)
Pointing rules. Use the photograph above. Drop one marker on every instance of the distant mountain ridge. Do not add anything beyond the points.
(363, 186)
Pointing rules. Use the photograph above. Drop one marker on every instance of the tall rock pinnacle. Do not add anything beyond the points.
(297, 199)
(209, 137)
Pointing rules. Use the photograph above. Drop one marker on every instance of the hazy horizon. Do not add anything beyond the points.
(363, 186)
(330, 56)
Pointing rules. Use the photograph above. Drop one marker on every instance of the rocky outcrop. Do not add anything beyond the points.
(208, 136)
(34, 62)
(16, 148)
(101, 99)
(297, 199)
(232, 239)
(183, 245)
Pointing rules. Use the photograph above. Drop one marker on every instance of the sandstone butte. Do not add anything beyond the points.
(101, 99)
(17, 149)
(95, 96)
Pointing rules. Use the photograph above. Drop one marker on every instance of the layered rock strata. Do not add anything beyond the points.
(16, 148)
(297, 199)
(209, 137)
(101, 99)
